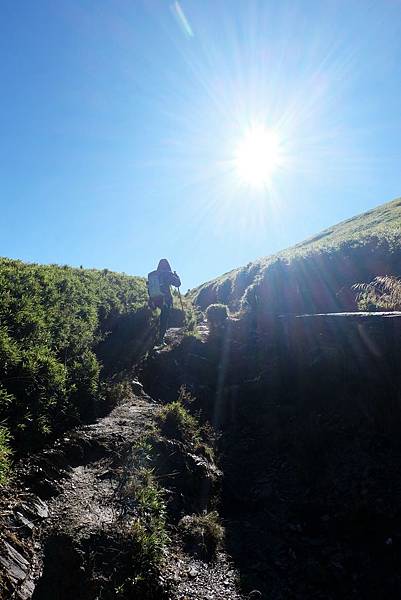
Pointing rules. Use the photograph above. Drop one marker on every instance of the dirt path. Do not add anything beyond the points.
(84, 515)
(89, 505)
(89, 498)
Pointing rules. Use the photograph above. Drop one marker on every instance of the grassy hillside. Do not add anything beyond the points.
(53, 322)
(315, 275)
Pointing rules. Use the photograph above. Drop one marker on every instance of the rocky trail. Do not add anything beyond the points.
(307, 413)
(62, 530)
(89, 498)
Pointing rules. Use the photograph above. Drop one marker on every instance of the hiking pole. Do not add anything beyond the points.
(182, 306)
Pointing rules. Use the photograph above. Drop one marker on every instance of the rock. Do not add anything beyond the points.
(26, 590)
(15, 565)
(24, 523)
(40, 508)
(136, 386)
(108, 474)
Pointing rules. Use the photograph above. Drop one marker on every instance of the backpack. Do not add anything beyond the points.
(156, 297)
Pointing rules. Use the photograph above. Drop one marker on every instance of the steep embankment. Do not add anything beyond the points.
(316, 275)
(310, 417)
(62, 332)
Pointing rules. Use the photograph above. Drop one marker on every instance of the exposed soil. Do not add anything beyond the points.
(89, 499)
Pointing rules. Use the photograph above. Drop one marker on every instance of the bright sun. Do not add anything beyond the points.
(257, 156)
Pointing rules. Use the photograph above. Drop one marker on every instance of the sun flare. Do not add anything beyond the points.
(258, 156)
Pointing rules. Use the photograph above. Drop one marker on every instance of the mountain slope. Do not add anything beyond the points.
(316, 274)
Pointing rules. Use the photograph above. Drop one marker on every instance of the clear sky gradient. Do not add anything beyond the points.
(119, 122)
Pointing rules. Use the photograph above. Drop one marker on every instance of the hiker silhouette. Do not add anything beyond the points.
(159, 282)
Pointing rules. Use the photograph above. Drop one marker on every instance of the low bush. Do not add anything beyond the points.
(142, 520)
(183, 448)
(183, 313)
(52, 320)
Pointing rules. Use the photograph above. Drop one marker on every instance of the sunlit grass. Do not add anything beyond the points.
(378, 227)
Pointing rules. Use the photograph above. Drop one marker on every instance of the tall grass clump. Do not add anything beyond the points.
(183, 313)
(149, 525)
(5, 455)
(202, 534)
(175, 422)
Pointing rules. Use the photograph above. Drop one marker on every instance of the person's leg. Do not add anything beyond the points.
(164, 314)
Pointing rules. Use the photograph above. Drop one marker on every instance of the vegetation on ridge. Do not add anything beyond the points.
(52, 320)
(317, 274)
(202, 534)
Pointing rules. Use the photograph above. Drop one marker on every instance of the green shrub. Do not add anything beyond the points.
(142, 533)
(143, 496)
(52, 320)
(216, 315)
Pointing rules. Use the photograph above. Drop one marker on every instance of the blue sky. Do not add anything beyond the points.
(119, 122)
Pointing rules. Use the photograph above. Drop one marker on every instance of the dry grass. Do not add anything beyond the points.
(383, 292)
